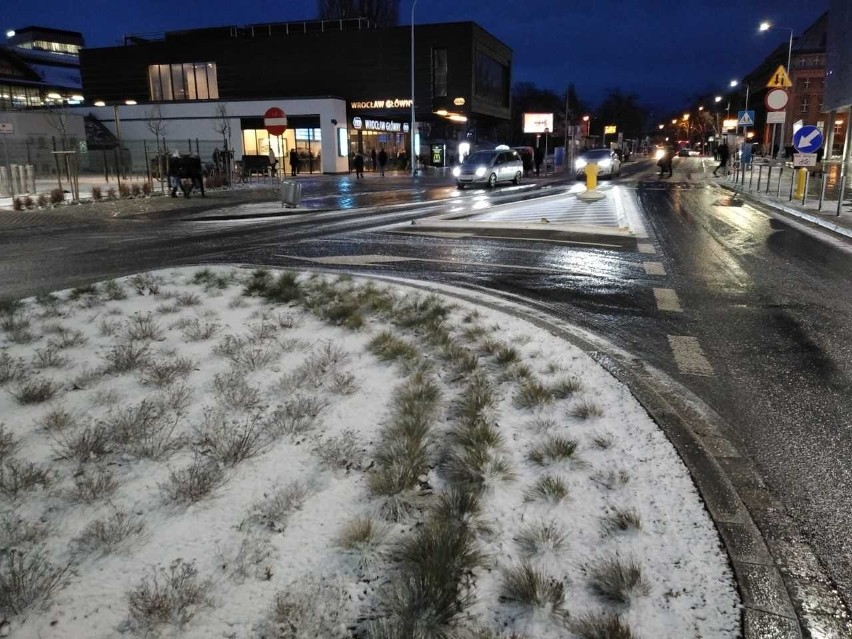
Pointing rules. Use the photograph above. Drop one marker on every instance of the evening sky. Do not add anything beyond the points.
(664, 51)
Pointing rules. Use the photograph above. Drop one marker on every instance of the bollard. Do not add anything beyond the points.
(822, 192)
(591, 176)
(780, 177)
(840, 194)
(750, 177)
(291, 194)
(792, 184)
(801, 182)
(768, 179)
(805, 190)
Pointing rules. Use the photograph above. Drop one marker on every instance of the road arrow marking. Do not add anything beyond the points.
(689, 357)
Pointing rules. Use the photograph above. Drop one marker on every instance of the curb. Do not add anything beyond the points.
(789, 210)
(784, 590)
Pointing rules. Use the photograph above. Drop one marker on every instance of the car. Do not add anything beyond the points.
(607, 160)
(686, 152)
(489, 168)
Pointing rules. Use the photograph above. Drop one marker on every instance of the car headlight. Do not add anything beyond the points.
(605, 163)
(456, 171)
(480, 171)
(659, 154)
(580, 163)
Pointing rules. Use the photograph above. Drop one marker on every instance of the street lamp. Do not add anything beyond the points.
(413, 122)
(120, 164)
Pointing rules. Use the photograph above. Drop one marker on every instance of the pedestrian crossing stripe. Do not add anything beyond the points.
(746, 119)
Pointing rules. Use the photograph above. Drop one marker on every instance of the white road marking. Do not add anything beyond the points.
(654, 268)
(667, 300)
(645, 248)
(689, 357)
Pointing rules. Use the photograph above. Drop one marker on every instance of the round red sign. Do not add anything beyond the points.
(275, 121)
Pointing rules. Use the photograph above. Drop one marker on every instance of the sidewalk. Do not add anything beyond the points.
(775, 188)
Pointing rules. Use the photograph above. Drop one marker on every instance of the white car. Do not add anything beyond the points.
(608, 163)
(490, 168)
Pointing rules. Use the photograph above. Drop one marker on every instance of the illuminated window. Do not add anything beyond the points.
(187, 81)
(439, 73)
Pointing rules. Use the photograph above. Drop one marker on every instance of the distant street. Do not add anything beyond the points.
(748, 313)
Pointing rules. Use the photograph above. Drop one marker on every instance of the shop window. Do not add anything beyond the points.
(439, 73)
(187, 81)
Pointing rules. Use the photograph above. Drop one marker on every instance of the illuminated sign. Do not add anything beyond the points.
(538, 122)
(459, 101)
(367, 124)
(729, 124)
(609, 128)
(391, 103)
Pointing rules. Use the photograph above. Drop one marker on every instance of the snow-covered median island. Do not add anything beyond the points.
(229, 453)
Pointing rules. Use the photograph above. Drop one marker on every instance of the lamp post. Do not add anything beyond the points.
(413, 122)
(120, 163)
(766, 26)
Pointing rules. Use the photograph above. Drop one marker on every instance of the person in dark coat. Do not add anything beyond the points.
(724, 154)
(173, 171)
(539, 158)
(383, 160)
(373, 160)
(358, 163)
(294, 162)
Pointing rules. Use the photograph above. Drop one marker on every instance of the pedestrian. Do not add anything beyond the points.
(373, 159)
(294, 162)
(359, 165)
(724, 154)
(383, 160)
(403, 160)
(273, 162)
(538, 159)
(173, 171)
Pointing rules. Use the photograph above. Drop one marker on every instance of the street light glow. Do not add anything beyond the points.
(765, 26)
(734, 83)
(99, 103)
(130, 102)
(10, 33)
(718, 98)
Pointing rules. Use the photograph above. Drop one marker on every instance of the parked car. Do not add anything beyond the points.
(607, 160)
(490, 168)
(686, 152)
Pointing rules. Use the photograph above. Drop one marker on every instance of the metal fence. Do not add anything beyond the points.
(823, 187)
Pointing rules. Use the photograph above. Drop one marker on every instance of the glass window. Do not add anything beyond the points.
(491, 81)
(187, 81)
(439, 73)
(250, 142)
(189, 75)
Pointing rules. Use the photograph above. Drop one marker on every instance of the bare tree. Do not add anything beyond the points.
(158, 126)
(57, 118)
(382, 13)
(222, 125)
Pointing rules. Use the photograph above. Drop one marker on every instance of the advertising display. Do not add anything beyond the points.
(538, 122)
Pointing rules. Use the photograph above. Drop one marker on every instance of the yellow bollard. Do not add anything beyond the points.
(801, 178)
(591, 176)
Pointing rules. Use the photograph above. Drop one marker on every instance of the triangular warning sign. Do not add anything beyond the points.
(746, 119)
(779, 79)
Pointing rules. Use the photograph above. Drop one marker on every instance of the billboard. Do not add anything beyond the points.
(538, 122)
(838, 80)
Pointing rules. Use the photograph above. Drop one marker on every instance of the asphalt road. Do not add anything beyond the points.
(747, 312)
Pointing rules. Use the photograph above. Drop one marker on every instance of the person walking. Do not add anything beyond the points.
(383, 160)
(273, 162)
(359, 166)
(294, 162)
(538, 156)
(724, 154)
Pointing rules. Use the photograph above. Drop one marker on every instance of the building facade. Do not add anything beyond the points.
(837, 101)
(462, 80)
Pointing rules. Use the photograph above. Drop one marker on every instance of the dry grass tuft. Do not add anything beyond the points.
(274, 510)
(231, 441)
(621, 520)
(550, 488)
(553, 450)
(617, 579)
(602, 625)
(542, 538)
(193, 483)
(105, 536)
(35, 390)
(233, 392)
(168, 371)
(93, 485)
(525, 586)
(168, 596)
(28, 578)
(585, 410)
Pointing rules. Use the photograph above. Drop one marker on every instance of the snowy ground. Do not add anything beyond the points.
(182, 459)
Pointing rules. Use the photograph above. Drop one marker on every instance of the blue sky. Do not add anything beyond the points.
(665, 51)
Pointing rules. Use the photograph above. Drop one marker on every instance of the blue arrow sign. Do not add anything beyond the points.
(807, 139)
(745, 118)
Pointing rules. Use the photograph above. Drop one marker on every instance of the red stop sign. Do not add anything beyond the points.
(275, 121)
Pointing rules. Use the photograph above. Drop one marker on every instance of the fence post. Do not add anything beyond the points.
(821, 192)
(147, 161)
(759, 176)
(840, 195)
(56, 161)
(768, 179)
(751, 177)
(106, 167)
(792, 184)
(780, 177)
